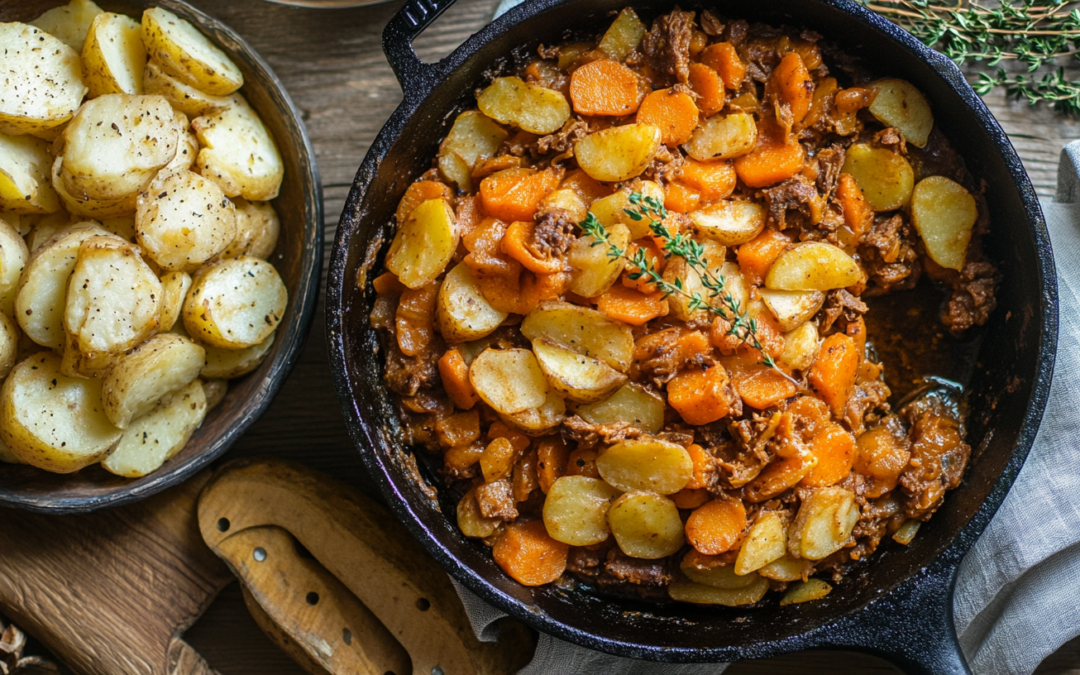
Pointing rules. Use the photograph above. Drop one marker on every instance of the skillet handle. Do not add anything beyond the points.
(913, 625)
(415, 76)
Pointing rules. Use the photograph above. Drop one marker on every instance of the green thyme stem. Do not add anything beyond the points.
(742, 326)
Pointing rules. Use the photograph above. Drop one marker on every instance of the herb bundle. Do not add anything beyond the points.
(1040, 34)
(719, 302)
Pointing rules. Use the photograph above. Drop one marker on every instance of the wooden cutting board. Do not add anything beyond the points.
(111, 593)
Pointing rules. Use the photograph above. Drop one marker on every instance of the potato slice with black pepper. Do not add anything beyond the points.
(156, 437)
(69, 23)
(99, 209)
(174, 288)
(424, 244)
(530, 107)
(114, 55)
(230, 363)
(13, 257)
(42, 76)
(215, 391)
(184, 97)
(163, 364)
(235, 304)
(474, 135)
(239, 153)
(509, 380)
(257, 230)
(52, 421)
(618, 153)
(25, 176)
(113, 299)
(187, 54)
(183, 220)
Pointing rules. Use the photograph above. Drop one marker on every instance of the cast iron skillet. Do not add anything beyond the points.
(900, 605)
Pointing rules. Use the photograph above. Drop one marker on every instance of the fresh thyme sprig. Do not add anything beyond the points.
(742, 326)
(1037, 33)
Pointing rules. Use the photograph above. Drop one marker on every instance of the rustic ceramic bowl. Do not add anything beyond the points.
(298, 259)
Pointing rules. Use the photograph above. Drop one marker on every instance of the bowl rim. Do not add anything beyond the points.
(426, 76)
(300, 313)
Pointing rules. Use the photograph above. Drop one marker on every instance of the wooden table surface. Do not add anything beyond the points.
(332, 63)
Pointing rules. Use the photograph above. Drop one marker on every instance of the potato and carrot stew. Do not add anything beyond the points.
(626, 309)
(135, 235)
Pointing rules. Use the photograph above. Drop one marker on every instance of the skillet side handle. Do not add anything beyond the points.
(414, 76)
(913, 625)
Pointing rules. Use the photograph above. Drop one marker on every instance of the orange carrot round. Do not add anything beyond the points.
(418, 193)
(834, 371)
(717, 526)
(704, 466)
(706, 83)
(681, 198)
(631, 306)
(529, 555)
(674, 112)
(701, 396)
(455, 379)
(518, 244)
(656, 261)
(712, 180)
(582, 462)
(834, 448)
(762, 387)
(552, 455)
(723, 58)
(776, 157)
(514, 194)
(858, 216)
(757, 255)
(415, 312)
(605, 87)
(792, 86)
(689, 499)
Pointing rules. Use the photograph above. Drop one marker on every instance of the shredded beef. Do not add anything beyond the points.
(828, 162)
(892, 139)
(667, 45)
(553, 234)
(496, 500)
(939, 455)
(797, 194)
(972, 299)
(406, 375)
(622, 569)
(889, 255)
(873, 525)
(711, 25)
(840, 304)
(665, 165)
(736, 31)
(740, 449)
(588, 435)
(586, 560)
(657, 356)
(868, 403)
(551, 52)
(562, 140)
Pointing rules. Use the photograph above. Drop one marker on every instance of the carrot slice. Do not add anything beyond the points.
(631, 306)
(518, 440)
(529, 555)
(717, 526)
(605, 87)
(706, 83)
(762, 387)
(834, 448)
(701, 396)
(723, 58)
(552, 455)
(792, 86)
(757, 255)
(469, 215)
(776, 157)
(418, 193)
(514, 194)
(455, 379)
(387, 283)
(415, 312)
(712, 180)
(834, 371)
(688, 499)
(856, 330)
(518, 243)
(681, 198)
(674, 112)
(582, 463)
(704, 467)
(656, 261)
(858, 216)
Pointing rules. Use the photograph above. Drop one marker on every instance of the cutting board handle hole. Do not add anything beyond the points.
(423, 604)
(313, 598)
(223, 524)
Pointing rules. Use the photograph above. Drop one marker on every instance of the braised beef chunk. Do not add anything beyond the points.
(890, 255)
(972, 299)
(406, 375)
(892, 139)
(874, 523)
(553, 234)
(840, 304)
(795, 194)
(938, 455)
(588, 435)
(621, 568)
(586, 560)
(711, 25)
(667, 45)
(868, 403)
(827, 164)
(562, 140)
(496, 500)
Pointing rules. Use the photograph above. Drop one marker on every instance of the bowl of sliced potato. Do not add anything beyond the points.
(160, 241)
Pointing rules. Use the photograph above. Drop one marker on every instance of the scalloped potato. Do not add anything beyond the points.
(723, 137)
(582, 329)
(508, 380)
(813, 266)
(183, 97)
(646, 525)
(898, 103)
(230, 363)
(577, 377)
(424, 244)
(944, 213)
(474, 135)
(654, 465)
(69, 23)
(576, 508)
(885, 177)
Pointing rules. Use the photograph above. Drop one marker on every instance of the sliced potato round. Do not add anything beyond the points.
(69, 23)
(471, 522)
(631, 404)
(813, 266)
(944, 213)
(161, 365)
(897, 103)
(580, 378)
(257, 230)
(123, 227)
(688, 591)
(508, 380)
(824, 523)
(646, 525)
(187, 54)
(539, 421)
(13, 257)
(462, 312)
(723, 137)
(114, 55)
(214, 391)
(184, 97)
(730, 222)
(801, 347)
(575, 511)
(595, 269)
(177, 235)
(234, 304)
(51, 421)
(679, 271)
(41, 295)
(618, 153)
(174, 288)
(42, 76)
(424, 244)
(567, 200)
(646, 464)
(474, 135)
(792, 308)
(811, 589)
(187, 148)
(766, 542)
(115, 145)
(787, 569)
(720, 576)
(156, 437)
(113, 299)
(583, 330)
(623, 36)
(530, 107)
(611, 210)
(9, 344)
(85, 207)
(239, 153)
(230, 363)
(885, 177)
(25, 176)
